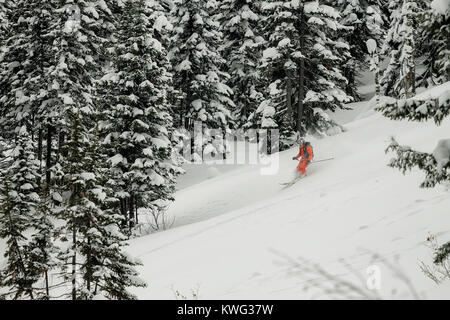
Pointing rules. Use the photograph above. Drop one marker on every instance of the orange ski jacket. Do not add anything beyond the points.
(305, 151)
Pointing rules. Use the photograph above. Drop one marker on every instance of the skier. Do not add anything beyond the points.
(305, 155)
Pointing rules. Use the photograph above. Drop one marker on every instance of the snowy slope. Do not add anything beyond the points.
(241, 235)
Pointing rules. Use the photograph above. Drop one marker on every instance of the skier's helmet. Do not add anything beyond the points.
(300, 141)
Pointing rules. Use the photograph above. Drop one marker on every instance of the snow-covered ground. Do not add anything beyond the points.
(239, 234)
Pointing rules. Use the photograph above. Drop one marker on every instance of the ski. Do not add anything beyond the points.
(290, 183)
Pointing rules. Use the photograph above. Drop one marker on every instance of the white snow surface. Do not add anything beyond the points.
(239, 235)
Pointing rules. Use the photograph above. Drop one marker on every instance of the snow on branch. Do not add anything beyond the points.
(406, 159)
(418, 110)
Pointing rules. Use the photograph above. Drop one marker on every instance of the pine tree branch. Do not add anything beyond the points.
(417, 110)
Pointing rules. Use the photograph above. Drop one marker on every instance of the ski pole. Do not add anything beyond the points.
(322, 160)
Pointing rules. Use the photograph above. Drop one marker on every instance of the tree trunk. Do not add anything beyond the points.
(225, 149)
(377, 79)
(245, 92)
(48, 159)
(122, 207)
(47, 290)
(410, 72)
(301, 79)
(21, 265)
(136, 211)
(185, 108)
(61, 140)
(39, 156)
(89, 265)
(40, 147)
(131, 210)
(301, 95)
(289, 112)
(351, 83)
(74, 262)
(448, 50)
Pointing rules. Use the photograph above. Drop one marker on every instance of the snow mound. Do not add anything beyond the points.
(433, 93)
(442, 153)
(212, 172)
(358, 110)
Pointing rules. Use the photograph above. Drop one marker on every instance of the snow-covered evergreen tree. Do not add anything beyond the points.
(138, 125)
(80, 35)
(436, 165)
(398, 78)
(94, 256)
(365, 20)
(41, 248)
(110, 271)
(240, 21)
(434, 43)
(77, 209)
(5, 8)
(301, 57)
(18, 203)
(374, 66)
(266, 113)
(22, 72)
(197, 65)
(14, 59)
(23, 65)
(48, 44)
(279, 62)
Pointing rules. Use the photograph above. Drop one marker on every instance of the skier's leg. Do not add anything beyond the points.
(302, 167)
(298, 171)
(306, 166)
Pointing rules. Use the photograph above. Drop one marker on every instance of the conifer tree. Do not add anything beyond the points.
(436, 165)
(4, 31)
(41, 248)
(18, 203)
(434, 44)
(13, 62)
(23, 71)
(365, 20)
(197, 65)
(241, 23)
(51, 54)
(301, 55)
(110, 272)
(22, 75)
(138, 124)
(398, 78)
(94, 255)
(5, 8)
(76, 208)
(80, 36)
(374, 65)
(280, 57)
